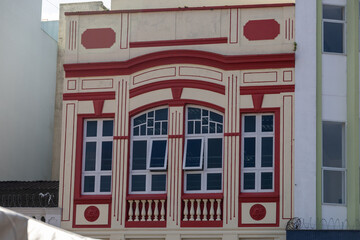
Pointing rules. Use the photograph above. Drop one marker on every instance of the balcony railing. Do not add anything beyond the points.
(201, 210)
(146, 211)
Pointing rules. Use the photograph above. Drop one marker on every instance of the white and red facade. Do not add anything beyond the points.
(235, 62)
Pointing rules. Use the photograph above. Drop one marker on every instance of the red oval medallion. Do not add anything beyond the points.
(91, 213)
(261, 29)
(257, 212)
(98, 38)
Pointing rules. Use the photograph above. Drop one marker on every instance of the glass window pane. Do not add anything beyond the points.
(250, 123)
(219, 128)
(139, 155)
(204, 129)
(332, 144)
(214, 181)
(249, 152)
(106, 155)
(333, 12)
(143, 130)
(193, 153)
(157, 128)
(194, 113)
(333, 187)
(105, 183)
(190, 127)
(197, 127)
(267, 124)
(136, 131)
(158, 182)
(90, 156)
(158, 153)
(161, 114)
(150, 122)
(138, 183)
(164, 127)
(205, 112)
(266, 152)
(150, 131)
(205, 121)
(216, 117)
(193, 182)
(140, 120)
(108, 128)
(266, 180)
(89, 183)
(249, 181)
(214, 153)
(212, 127)
(333, 37)
(91, 128)
(151, 114)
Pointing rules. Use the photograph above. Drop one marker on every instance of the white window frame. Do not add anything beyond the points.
(335, 21)
(99, 139)
(203, 170)
(343, 169)
(149, 171)
(258, 135)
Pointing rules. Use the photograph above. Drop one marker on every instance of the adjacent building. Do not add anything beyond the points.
(178, 121)
(327, 114)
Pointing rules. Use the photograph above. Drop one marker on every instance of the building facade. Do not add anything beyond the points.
(327, 114)
(178, 123)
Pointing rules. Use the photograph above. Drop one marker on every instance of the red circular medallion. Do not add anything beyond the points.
(257, 212)
(91, 213)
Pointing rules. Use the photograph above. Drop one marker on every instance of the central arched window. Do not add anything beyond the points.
(203, 156)
(148, 160)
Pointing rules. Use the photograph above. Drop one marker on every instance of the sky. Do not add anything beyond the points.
(50, 8)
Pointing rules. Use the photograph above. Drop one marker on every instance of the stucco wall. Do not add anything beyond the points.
(27, 87)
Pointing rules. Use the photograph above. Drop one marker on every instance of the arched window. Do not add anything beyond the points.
(148, 159)
(203, 156)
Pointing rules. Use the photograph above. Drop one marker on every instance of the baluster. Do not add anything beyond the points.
(156, 210)
(198, 211)
(131, 212)
(143, 210)
(205, 211)
(162, 211)
(137, 210)
(218, 210)
(186, 211)
(212, 210)
(149, 213)
(192, 211)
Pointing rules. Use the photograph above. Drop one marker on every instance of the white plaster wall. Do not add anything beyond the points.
(334, 87)
(305, 111)
(27, 88)
(334, 217)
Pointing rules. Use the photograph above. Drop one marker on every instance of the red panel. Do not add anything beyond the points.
(258, 212)
(257, 100)
(181, 9)
(224, 62)
(261, 29)
(275, 89)
(180, 42)
(89, 96)
(98, 38)
(98, 106)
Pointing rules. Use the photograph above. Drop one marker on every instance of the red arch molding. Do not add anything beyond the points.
(224, 62)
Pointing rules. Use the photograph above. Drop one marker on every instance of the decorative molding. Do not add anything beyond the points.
(224, 62)
(89, 96)
(180, 9)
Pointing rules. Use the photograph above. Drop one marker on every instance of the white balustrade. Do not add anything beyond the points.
(146, 210)
(200, 208)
